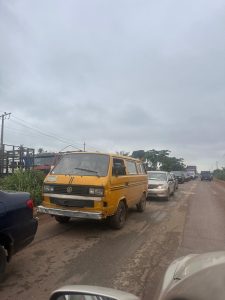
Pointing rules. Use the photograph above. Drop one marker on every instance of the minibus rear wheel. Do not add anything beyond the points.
(117, 221)
(62, 219)
(142, 204)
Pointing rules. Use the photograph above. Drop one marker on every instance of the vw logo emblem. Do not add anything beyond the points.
(69, 189)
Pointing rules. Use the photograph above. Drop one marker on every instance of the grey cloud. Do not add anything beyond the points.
(119, 75)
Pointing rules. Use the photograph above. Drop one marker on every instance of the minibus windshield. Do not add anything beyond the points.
(82, 164)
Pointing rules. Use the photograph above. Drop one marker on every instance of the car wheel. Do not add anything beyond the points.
(3, 261)
(117, 221)
(142, 204)
(62, 219)
(167, 198)
(173, 191)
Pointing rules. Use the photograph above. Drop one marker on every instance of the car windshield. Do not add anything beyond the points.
(83, 164)
(157, 176)
(178, 173)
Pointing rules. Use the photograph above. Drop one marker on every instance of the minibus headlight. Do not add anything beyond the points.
(48, 188)
(96, 191)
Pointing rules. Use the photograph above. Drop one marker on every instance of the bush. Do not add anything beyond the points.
(219, 174)
(25, 181)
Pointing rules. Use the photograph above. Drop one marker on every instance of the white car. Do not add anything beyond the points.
(160, 184)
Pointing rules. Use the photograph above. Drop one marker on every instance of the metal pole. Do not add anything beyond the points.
(2, 129)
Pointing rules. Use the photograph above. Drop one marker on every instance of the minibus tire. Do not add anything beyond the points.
(142, 204)
(117, 221)
(3, 261)
(62, 219)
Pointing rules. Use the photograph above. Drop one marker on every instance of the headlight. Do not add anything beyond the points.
(96, 191)
(48, 188)
(162, 186)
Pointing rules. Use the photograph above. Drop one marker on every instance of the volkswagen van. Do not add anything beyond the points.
(94, 186)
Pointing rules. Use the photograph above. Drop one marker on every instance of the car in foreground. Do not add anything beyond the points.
(192, 277)
(17, 225)
(160, 184)
(206, 175)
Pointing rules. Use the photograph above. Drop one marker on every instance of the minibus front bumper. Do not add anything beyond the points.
(70, 213)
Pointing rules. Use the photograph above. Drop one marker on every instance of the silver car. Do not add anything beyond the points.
(195, 276)
(160, 184)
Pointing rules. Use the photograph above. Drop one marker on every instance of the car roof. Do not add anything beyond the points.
(163, 172)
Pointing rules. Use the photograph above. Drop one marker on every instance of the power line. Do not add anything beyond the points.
(25, 124)
(43, 133)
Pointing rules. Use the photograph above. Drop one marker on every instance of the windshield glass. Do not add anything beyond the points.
(83, 164)
(177, 173)
(157, 176)
(48, 160)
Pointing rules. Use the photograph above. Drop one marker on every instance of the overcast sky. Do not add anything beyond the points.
(119, 75)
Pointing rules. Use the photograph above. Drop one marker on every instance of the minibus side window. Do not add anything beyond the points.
(131, 167)
(139, 169)
(143, 171)
(119, 168)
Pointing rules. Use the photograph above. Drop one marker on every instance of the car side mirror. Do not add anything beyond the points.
(90, 293)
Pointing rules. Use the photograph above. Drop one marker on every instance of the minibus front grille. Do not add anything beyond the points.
(80, 190)
(72, 202)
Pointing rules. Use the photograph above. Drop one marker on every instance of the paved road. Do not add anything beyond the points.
(132, 259)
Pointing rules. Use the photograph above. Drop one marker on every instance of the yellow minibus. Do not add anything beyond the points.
(94, 186)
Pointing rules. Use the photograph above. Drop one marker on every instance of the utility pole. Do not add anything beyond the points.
(84, 146)
(3, 117)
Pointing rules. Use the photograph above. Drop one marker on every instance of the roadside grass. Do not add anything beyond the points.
(219, 174)
(25, 181)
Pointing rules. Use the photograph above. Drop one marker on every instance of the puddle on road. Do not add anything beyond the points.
(158, 216)
(188, 193)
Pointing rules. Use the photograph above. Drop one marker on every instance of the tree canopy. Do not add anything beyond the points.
(160, 160)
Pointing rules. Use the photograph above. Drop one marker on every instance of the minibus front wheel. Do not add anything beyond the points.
(142, 204)
(118, 220)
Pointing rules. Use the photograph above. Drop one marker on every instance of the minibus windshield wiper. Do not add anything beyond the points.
(87, 170)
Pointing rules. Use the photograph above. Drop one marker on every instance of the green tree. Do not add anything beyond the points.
(172, 164)
(140, 154)
(155, 158)
(219, 173)
(40, 150)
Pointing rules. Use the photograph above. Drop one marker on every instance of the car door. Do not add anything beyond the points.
(170, 183)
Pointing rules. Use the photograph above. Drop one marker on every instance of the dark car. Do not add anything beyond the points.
(179, 175)
(206, 175)
(17, 225)
(175, 180)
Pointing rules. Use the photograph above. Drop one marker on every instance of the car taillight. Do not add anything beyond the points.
(30, 204)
